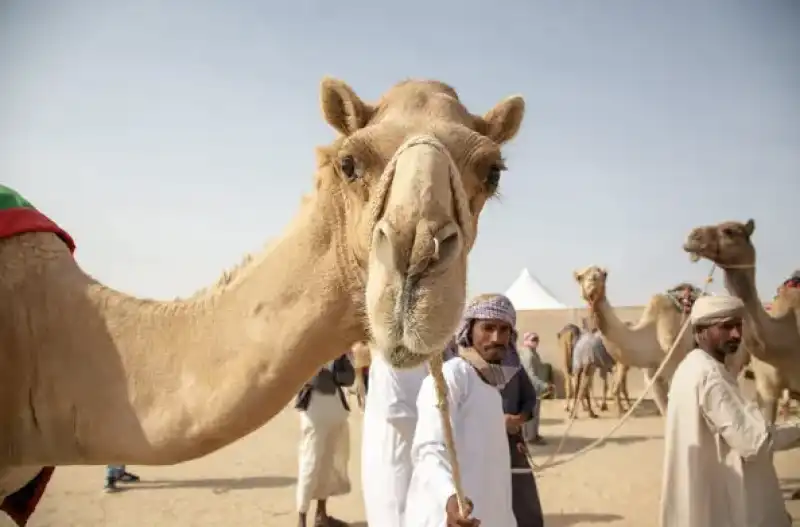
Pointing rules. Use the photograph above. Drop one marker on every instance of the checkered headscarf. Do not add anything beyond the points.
(489, 307)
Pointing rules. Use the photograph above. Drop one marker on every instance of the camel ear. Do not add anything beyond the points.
(504, 120)
(604, 271)
(576, 275)
(342, 108)
(749, 227)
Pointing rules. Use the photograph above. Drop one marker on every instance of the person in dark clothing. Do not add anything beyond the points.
(519, 403)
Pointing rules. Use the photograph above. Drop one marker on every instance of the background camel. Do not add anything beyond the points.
(93, 376)
(645, 344)
(590, 358)
(567, 338)
(771, 338)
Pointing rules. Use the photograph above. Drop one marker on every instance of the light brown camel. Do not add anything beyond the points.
(567, 338)
(645, 344)
(93, 376)
(772, 338)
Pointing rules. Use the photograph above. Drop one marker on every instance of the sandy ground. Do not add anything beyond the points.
(252, 481)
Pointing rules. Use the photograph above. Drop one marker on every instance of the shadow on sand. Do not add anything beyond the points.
(568, 519)
(217, 485)
(574, 443)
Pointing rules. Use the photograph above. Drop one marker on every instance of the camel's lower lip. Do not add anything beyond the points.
(694, 257)
(402, 357)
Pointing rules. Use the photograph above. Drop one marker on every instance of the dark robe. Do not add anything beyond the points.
(519, 397)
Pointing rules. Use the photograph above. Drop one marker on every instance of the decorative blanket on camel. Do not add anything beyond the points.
(18, 216)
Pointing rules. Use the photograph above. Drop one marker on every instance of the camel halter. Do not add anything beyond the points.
(460, 199)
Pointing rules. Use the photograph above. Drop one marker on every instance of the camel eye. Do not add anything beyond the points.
(348, 167)
(727, 231)
(493, 176)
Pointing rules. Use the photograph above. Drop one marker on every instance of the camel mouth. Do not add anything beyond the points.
(401, 357)
(694, 250)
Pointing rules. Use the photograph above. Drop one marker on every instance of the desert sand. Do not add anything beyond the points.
(252, 481)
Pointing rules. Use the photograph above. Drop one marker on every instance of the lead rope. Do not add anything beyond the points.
(443, 403)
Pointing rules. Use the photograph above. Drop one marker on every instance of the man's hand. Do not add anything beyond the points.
(454, 518)
(514, 422)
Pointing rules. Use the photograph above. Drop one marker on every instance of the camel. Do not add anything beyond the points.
(567, 338)
(379, 248)
(644, 344)
(771, 338)
(581, 380)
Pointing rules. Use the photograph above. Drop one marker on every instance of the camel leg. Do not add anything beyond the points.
(616, 387)
(575, 395)
(584, 389)
(568, 391)
(659, 391)
(624, 383)
(604, 400)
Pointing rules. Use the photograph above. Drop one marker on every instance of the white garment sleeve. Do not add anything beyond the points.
(728, 413)
(431, 460)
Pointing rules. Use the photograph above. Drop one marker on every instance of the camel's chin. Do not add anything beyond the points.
(402, 358)
(694, 257)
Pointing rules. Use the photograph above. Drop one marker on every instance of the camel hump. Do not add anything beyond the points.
(19, 216)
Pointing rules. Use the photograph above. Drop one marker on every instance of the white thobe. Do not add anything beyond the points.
(390, 417)
(718, 468)
(324, 450)
(481, 444)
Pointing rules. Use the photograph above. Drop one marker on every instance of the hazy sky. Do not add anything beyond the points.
(170, 138)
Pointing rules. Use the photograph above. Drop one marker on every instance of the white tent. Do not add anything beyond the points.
(527, 293)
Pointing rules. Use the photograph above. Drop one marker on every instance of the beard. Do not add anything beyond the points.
(729, 348)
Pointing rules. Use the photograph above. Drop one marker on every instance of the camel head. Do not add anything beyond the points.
(592, 281)
(411, 173)
(726, 244)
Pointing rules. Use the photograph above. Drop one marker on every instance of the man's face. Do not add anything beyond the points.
(724, 338)
(490, 339)
(535, 342)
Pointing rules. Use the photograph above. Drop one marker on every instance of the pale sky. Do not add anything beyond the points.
(170, 138)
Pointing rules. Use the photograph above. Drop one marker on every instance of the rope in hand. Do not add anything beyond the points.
(550, 462)
(443, 403)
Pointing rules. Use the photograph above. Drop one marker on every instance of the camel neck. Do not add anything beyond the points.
(633, 346)
(767, 338)
(178, 380)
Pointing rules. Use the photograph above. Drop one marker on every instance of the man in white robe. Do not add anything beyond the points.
(390, 417)
(324, 442)
(718, 468)
(474, 379)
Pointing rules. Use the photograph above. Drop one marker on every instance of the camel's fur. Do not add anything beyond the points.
(644, 344)
(772, 338)
(93, 376)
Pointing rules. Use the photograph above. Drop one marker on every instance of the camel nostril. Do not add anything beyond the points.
(447, 246)
(383, 242)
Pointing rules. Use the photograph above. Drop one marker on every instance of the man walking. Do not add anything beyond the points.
(325, 442)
